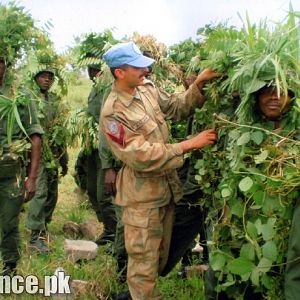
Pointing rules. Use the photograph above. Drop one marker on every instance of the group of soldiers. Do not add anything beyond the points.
(148, 213)
(26, 175)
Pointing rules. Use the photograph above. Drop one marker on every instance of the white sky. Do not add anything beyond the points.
(170, 21)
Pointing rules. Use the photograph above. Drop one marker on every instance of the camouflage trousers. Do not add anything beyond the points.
(292, 272)
(147, 241)
(42, 205)
(11, 200)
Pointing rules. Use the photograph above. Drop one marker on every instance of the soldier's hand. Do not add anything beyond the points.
(204, 138)
(208, 74)
(64, 170)
(110, 181)
(30, 187)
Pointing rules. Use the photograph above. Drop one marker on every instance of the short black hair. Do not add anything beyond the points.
(113, 69)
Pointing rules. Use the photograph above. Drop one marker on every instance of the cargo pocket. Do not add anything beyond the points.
(9, 167)
(136, 217)
(159, 115)
(136, 233)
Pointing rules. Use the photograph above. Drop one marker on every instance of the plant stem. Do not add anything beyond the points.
(254, 127)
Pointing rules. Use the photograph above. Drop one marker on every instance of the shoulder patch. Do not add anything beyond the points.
(116, 132)
(113, 127)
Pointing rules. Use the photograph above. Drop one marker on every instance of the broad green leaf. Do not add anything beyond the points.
(244, 139)
(198, 178)
(226, 192)
(255, 276)
(251, 229)
(257, 137)
(217, 261)
(258, 225)
(267, 231)
(259, 197)
(264, 265)
(266, 281)
(228, 283)
(245, 277)
(271, 221)
(248, 251)
(237, 209)
(245, 184)
(260, 158)
(269, 250)
(240, 266)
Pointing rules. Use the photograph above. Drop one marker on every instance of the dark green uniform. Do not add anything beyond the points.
(101, 202)
(189, 216)
(109, 161)
(42, 205)
(81, 170)
(292, 272)
(12, 172)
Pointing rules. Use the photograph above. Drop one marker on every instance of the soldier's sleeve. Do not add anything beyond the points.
(32, 125)
(132, 147)
(178, 106)
(106, 156)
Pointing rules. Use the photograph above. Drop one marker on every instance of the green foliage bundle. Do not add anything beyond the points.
(252, 176)
(164, 72)
(18, 33)
(9, 110)
(92, 46)
(84, 130)
(186, 55)
(46, 59)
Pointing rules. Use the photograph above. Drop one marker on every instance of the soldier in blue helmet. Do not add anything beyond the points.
(133, 122)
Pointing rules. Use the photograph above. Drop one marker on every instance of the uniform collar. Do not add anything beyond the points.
(126, 98)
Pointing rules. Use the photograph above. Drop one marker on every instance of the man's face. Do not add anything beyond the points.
(270, 104)
(45, 80)
(133, 76)
(2, 69)
(93, 72)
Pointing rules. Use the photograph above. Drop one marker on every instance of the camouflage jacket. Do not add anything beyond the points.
(95, 103)
(136, 131)
(52, 116)
(10, 154)
(95, 100)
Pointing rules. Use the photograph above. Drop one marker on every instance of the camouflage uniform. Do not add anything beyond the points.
(109, 161)
(12, 173)
(147, 184)
(81, 170)
(101, 202)
(42, 206)
(292, 272)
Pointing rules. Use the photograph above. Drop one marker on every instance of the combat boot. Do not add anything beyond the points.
(9, 269)
(105, 238)
(122, 296)
(37, 242)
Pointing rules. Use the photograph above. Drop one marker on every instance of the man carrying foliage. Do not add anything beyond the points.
(133, 121)
(20, 148)
(100, 172)
(51, 115)
(275, 109)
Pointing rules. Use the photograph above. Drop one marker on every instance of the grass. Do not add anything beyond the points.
(101, 272)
